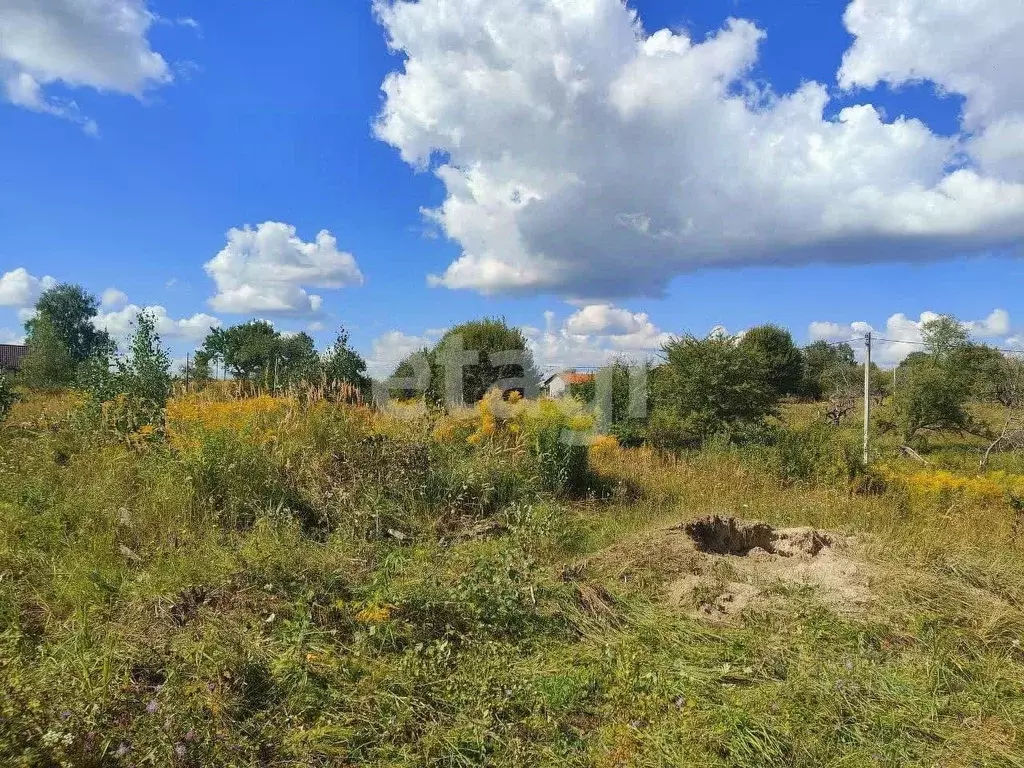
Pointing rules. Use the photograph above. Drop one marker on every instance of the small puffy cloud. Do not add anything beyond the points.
(98, 44)
(594, 335)
(119, 323)
(269, 268)
(113, 299)
(391, 348)
(995, 325)
(20, 289)
(586, 156)
(901, 334)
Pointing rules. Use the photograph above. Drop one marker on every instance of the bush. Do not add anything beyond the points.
(8, 396)
(708, 387)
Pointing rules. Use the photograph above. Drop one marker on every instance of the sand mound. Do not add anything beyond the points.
(719, 566)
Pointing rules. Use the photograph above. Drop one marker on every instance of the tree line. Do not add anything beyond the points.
(698, 388)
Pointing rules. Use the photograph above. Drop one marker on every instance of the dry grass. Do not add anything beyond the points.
(319, 584)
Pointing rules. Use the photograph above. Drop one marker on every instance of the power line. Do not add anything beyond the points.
(925, 344)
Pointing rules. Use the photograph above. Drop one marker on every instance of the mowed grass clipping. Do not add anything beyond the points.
(270, 584)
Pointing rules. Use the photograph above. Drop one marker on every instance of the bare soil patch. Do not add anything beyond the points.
(719, 566)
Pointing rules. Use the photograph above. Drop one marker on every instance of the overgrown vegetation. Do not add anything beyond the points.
(245, 575)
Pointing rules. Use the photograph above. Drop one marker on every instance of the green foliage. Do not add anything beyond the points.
(8, 396)
(68, 311)
(342, 364)
(257, 353)
(943, 336)
(814, 453)
(931, 396)
(48, 365)
(827, 368)
(132, 389)
(489, 337)
(707, 387)
(782, 360)
(627, 421)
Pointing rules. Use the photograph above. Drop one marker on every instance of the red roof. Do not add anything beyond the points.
(571, 377)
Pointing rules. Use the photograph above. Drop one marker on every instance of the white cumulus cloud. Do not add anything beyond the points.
(391, 348)
(119, 323)
(269, 268)
(20, 289)
(967, 48)
(586, 156)
(902, 335)
(593, 335)
(98, 44)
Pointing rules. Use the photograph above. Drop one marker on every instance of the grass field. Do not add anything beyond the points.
(269, 584)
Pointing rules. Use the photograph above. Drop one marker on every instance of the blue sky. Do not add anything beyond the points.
(228, 115)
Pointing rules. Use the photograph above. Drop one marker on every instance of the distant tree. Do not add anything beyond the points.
(943, 336)
(628, 427)
(1003, 381)
(294, 360)
(341, 363)
(503, 354)
(69, 310)
(781, 359)
(707, 387)
(929, 399)
(827, 367)
(48, 363)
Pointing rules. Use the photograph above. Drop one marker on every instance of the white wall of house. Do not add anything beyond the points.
(557, 386)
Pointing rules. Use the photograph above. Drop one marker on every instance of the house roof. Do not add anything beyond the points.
(11, 355)
(570, 377)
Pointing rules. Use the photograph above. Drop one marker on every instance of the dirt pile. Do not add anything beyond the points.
(719, 566)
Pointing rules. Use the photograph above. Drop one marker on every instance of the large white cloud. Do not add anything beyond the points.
(267, 269)
(100, 44)
(902, 335)
(583, 156)
(20, 289)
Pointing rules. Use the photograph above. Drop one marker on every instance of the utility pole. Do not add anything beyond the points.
(867, 396)
(186, 371)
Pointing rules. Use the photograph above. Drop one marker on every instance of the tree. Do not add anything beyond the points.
(710, 386)
(827, 367)
(944, 335)
(342, 364)
(781, 359)
(69, 310)
(629, 428)
(930, 397)
(48, 364)
(503, 354)
(294, 360)
(258, 353)
(131, 391)
(146, 372)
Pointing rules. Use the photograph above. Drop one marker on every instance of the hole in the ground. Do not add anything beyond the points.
(727, 536)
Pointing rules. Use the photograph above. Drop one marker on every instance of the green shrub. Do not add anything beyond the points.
(8, 396)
